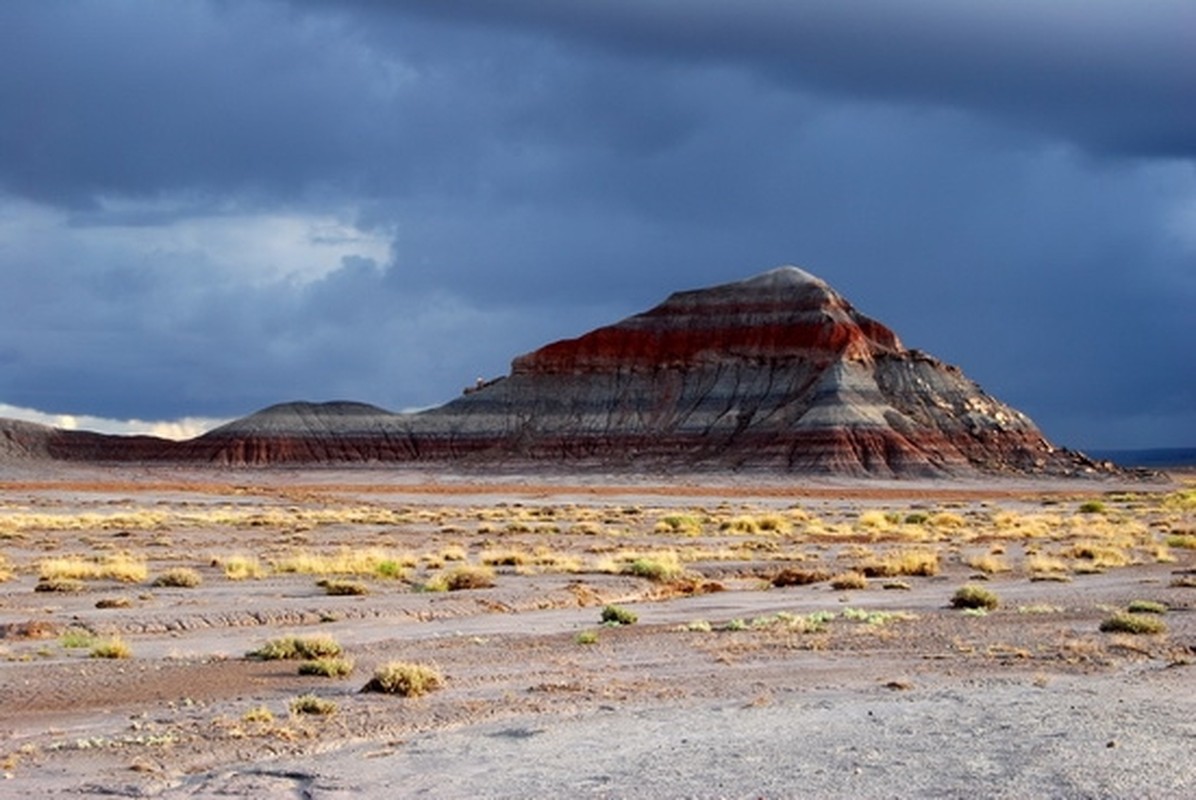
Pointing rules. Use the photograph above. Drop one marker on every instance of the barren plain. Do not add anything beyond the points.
(189, 633)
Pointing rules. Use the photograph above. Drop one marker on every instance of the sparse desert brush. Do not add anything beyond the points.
(659, 567)
(1099, 555)
(988, 564)
(741, 524)
(773, 523)
(586, 528)
(1146, 607)
(1124, 622)
(698, 626)
(241, 567)
(849, 580)
(59, 585)
(117, 566)
(297, 647)
(114, 647)
(971, 596)
(799, 577)
(258, 714)
(1093, 507)
(181, 577)
(454, 552)
(343, 588)
(75, 638)
(462, 577)
(346, 561)
(875, 520)
(1039, 564)
(505, 557)
(327, 667)
(617, 615)
(405, 678)
(311, 704)
(587, 637)
(1182, 541)
(904, 562)
(5, 568)
(685, 524)
(947, 520)
(1161, 554)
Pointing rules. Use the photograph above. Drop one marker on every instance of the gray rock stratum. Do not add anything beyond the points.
(776, 373)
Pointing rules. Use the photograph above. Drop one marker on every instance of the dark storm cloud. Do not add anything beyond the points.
(1112, 75)
(206, 207)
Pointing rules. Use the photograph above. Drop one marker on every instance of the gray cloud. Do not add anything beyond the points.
(194, 203)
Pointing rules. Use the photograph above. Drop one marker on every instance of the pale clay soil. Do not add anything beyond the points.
(1029, 700)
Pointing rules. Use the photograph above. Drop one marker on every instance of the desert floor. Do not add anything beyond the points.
(793, 640)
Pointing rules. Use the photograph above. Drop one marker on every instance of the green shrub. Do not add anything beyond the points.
(1146, 607)
(405, 678)
(971, 596)
(616, 615)
(343, 588)
(327, 667)
(310, 704)
(297, 647)
(1124, 622)
(1092, 507)
(587, 637)
(180, 577)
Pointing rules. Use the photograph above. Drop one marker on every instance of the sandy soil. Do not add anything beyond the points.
(727, 686)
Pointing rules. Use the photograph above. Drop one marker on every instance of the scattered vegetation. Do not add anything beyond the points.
(241, 567)
(1125, 622)
(118, 567)
(617, 615)
(311, 704)
(327, 667)
(849, 580)
(77, 638)
(297, 647)
(1092, 507)
(181, 577)
(462, 577)
(1146, 607)
(799, 577)
(59, 585)
(342, 588)
(587, 637)
(972, 596)
(114, 647)
(905, 562)
(404, 678)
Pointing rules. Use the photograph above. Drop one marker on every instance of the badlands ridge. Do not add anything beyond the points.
(775, 373)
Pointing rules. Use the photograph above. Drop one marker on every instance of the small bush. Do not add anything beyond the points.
(114, 602)
(180, 577)
(971, 596)
(849, 580)
(59, 585)
(799, 577)
(297, 647)
(910, 562)
(1133, 623)
(405, 678)
(259, 714)
(1092, 507)
(1146, 607)
(343, 588)
(1182, 541)
(617, 615)
(239, 568)
(587, 637)
(310, 704)
(111, 648)
(655, 568)
(686, 524)
(461, 578)
(76, 638)
(327, 667)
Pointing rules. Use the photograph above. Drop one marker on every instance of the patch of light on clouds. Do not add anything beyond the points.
(178, 429)
(253, 248)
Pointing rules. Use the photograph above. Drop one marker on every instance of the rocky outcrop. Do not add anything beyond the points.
(778, 372)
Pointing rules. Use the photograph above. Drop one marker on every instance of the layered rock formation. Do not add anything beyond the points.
(777, 372)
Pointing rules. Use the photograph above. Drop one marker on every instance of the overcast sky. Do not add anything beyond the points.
(210, 206)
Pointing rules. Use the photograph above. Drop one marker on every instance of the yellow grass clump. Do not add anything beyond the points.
(903, 562)
(117, 566)
(346, 561)
(241, 567)
(989, 564)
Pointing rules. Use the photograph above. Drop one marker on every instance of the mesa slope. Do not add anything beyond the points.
(777, 372)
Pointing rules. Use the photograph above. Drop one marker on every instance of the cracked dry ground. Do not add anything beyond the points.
(188, 713)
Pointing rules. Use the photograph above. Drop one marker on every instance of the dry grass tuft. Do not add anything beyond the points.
(327, 667)
(405, 678)
(118, 567)
(310, 704)
(460, 578)
(111, 648)
(1125, 622)
(988, 564)
(849, 580)
(799, 577)
(180, 577)
(972, 596)
(906, 562)
(241, 567)
(297, 647)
